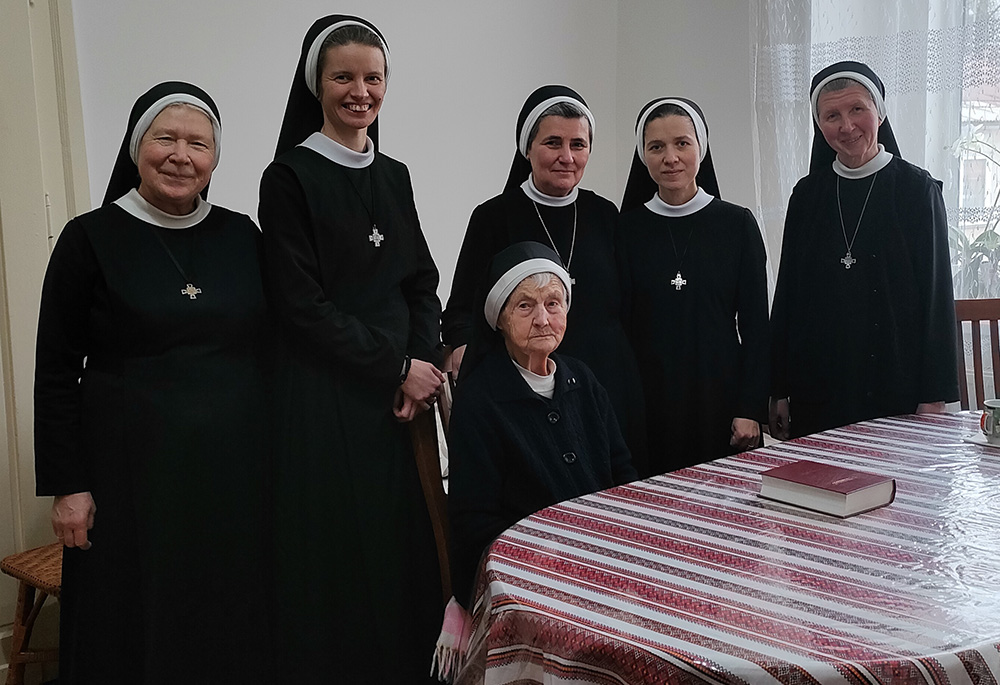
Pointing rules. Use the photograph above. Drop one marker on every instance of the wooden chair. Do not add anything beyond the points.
(40, 570)
(427, 452)
(444, 402)
(978, 312)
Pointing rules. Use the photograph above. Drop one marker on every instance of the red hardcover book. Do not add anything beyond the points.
(827, 489)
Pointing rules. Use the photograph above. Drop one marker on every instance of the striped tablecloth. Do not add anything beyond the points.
(690, 577)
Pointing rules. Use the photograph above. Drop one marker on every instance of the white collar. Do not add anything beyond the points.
(136, 205)
(542, 385)
(876, 163)
(340, 154)
(541, 198)
(697, 203)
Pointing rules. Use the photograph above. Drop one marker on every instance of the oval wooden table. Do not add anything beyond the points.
(690, 577)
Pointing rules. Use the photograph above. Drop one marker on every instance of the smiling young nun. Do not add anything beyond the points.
(863, 319)
(354, 293)
(149, 414)
(695, 293)
(542, 202)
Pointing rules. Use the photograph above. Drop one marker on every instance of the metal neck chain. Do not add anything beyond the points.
(848, 260)
(679, 281)
(680, 257)
(545, 228)
(375, 237)
(191, 290)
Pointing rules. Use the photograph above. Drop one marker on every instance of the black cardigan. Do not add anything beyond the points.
(513, 452)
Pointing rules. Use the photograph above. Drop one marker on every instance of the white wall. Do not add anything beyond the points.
(461, 70)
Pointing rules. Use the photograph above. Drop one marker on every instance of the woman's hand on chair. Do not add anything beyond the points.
(419, 391)
(423, 382)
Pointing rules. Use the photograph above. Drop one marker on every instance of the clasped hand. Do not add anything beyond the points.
(419, 391)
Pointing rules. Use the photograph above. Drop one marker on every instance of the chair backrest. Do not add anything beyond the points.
(977, 313)
(427, 452)
(444, 402)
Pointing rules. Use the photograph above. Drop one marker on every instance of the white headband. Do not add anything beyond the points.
(853, 76)
(146, 120)
(529, 123)
(506, 284)
(312, 57)
(700, 129)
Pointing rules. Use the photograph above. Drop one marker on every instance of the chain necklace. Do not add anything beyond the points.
(847, 260)
(568, 262)
(375, 237)
(678, 281)
(191, 290)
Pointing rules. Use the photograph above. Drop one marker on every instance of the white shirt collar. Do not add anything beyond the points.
(876, 163)
(342, 155)
(541, 198)
(697, 203)
(136, 205)
(542, 385)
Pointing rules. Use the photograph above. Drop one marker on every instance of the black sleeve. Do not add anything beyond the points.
(62, 345)
(294, 292)
(783, 292)
(420, 291)
(751, 308)
(622, 470)
(939, 365)
(475, 490)
(478, 247)
(624, 275)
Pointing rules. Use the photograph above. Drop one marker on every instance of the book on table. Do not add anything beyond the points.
(827, 489)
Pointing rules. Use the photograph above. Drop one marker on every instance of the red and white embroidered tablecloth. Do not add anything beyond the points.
(690, 577)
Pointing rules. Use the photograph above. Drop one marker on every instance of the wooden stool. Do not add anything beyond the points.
(35, 569)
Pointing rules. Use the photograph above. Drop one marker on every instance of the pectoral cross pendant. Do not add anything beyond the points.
(678, 281)
(191, 291)
(376, 237)
(847, 260)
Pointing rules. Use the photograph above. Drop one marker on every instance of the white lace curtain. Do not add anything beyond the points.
(940, 62)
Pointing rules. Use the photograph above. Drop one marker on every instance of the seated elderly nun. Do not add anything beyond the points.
(529, 428)
(695, 294)
(543, 202)
(863, 318)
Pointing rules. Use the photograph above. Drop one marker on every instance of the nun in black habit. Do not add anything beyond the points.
(542, 202)
(695, 294)
(863, 319)
(353, 288)
(149, 407)
(529, 428)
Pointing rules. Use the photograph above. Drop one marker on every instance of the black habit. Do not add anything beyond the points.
(513, 452)
(702, 348)
(153, 401)
(594, 332)
(876, 339)
(353, 287)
